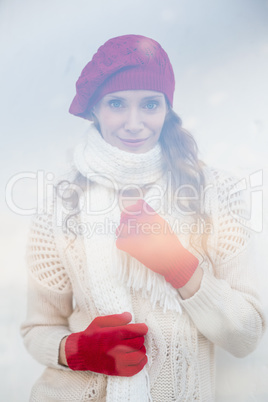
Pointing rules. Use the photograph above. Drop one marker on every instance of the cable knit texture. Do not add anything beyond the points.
(123, 63)
(86, 268)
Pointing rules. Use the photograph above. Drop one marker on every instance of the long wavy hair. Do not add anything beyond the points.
(180, 154)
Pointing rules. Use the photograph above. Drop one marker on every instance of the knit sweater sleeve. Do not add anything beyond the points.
(49, 301)
(226, 309)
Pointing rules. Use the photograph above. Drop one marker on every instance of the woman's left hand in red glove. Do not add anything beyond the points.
(146, 236)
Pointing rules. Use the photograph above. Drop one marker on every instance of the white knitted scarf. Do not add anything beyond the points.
(112, 272)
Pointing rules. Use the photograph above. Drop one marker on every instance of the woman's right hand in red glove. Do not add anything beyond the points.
(109, 345)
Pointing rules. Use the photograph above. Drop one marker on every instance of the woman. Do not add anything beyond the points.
(139, 266)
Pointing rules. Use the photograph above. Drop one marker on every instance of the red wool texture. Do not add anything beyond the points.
(146, 236)
(109, 345)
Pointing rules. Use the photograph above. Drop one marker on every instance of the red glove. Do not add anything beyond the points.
(108, 346)
(149, 238)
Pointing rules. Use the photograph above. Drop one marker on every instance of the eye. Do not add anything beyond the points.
(115, 103)
(151, 105)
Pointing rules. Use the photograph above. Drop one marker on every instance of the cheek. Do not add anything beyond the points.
(111, 122)
(158, 122)
(108, 125)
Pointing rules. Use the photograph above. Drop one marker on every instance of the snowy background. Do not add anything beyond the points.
(219, 51)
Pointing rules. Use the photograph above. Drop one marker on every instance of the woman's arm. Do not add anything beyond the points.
(46, 322)
(62, 355)
(225, 305)
(228, 312)
(229, 318)
(49, 297)
(193, 285)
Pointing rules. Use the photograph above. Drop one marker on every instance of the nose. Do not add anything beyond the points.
(133, 122)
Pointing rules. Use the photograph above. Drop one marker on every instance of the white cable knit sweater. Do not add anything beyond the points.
(225, 311)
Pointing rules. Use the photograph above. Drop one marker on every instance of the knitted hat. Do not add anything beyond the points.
(123, 63)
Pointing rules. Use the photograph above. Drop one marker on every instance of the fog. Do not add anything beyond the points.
(219, 52)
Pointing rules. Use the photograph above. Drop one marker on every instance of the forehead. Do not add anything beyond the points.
(137, 94)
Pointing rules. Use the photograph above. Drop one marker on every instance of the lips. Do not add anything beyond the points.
(133, 141)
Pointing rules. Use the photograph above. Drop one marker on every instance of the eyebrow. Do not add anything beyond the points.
(122, 98)
(153, 96)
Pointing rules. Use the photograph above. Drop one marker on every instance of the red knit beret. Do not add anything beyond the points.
(123, 63)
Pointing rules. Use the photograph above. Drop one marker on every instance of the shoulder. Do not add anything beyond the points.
(62, 199)
(225, 187)
(47, 237)
(229, 208)
(44, 263)
(221, 179)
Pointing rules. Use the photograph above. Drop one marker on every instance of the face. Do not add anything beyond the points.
(131, 120)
